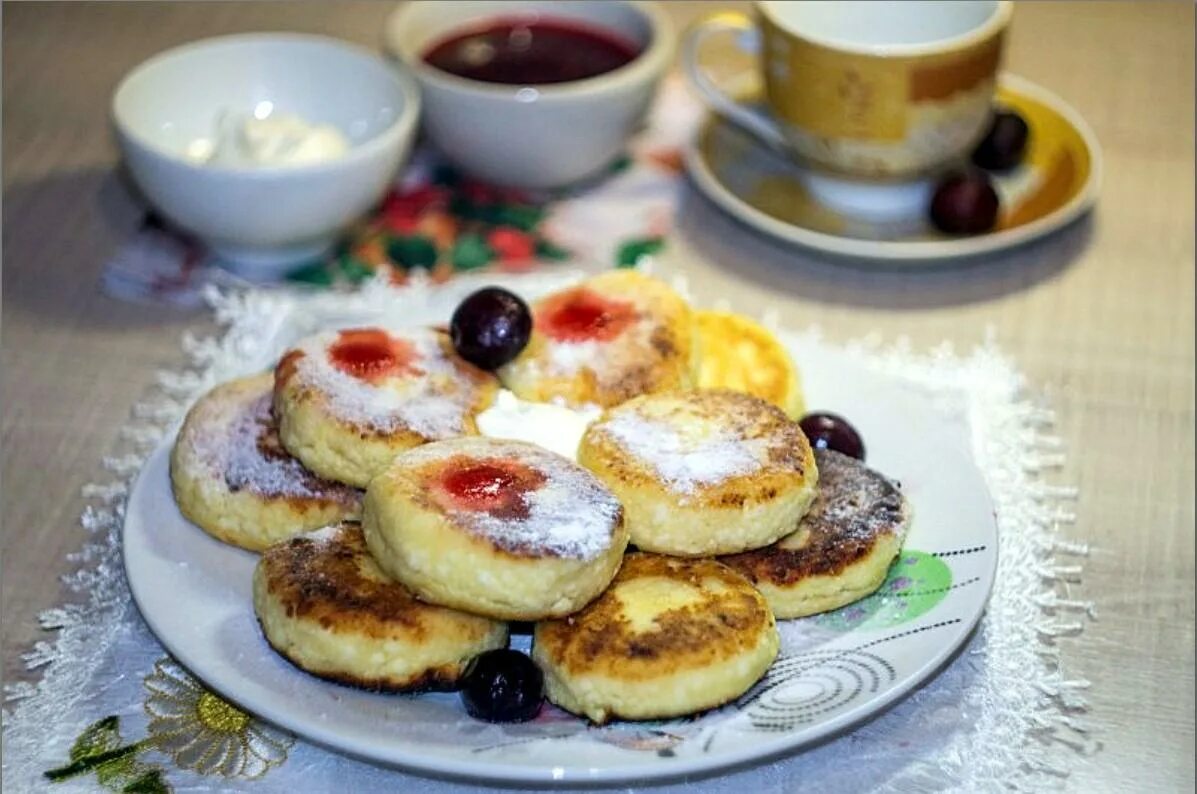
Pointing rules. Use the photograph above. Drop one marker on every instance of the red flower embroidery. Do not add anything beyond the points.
(511, 244)
(401, 211)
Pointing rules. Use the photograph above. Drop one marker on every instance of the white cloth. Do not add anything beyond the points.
(1002, 716)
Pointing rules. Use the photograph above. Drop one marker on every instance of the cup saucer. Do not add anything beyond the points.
(1057, 181)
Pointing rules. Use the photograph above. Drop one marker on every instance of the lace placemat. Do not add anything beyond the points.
(112, 711)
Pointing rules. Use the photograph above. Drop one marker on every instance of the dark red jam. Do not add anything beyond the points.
(496, 486)
(581, 315)
(371, 354)
(531, 51)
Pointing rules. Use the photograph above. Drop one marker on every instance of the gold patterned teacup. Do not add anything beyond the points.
(865, 89)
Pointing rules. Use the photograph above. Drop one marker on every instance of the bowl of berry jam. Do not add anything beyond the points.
(532, 94)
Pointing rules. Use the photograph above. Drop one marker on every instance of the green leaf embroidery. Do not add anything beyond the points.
(99, 737)
(316, 273)
(461, 207)
(98, 749)
(120, 770)
(525, 217)
(414, 250)
(355, 270)
(522, 216)
(631, 251)
(471, 252)
(549, 250)
(149, 783)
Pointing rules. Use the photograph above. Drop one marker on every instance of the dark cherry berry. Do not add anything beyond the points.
(1003, 146)
(490, 327)
(502, 686)
(828, 431)
(965, 204)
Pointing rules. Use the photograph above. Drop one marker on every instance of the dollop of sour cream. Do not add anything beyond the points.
(554, 426)
(277, 139)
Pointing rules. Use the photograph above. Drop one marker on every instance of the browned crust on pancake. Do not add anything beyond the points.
(791, 460)
(285, 369)
(327, 492)
(207, 420)
(435, 679)
(335, 583)
(832, 543)
(666, 369)
(600, 640)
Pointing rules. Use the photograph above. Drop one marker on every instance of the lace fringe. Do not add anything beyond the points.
(1034, 586)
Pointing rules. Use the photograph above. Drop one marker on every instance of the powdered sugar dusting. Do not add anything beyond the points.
(568, 358)
(432, 400)
(854, 504)
(685, 461)
(570, 515)
(236, 437)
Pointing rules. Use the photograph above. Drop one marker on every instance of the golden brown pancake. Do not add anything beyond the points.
(742, 355)
(349, 401)
(610, 338)
(669, 637)
(232, 477)
(324, 604)
(840, 551)
(702, 472)
(499, 528)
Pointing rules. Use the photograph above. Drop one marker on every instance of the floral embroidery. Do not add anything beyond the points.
(198, 729)
(205, 733)
(443, 223)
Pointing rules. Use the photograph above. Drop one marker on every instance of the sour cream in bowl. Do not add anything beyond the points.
(265, 146)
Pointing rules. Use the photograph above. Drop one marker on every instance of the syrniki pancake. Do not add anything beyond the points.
(842, 548)
(669, 637)
(606, 340)
(232, 477)
(349, 401)
(702, 472)
(325, 606)
(499, 528)
(742, 355)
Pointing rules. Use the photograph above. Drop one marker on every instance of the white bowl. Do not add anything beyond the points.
(541, 136)
(264, 220)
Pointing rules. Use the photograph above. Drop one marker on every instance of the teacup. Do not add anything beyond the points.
(873, 90)
(533, 136)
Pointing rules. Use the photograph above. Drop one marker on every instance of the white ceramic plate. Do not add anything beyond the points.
(834, 671)
(1057, 182)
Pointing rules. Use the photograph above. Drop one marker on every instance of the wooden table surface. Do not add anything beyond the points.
(1100, 317)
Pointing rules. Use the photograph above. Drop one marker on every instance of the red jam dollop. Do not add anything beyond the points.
(581, 315)
(496, 486)
(372, 354)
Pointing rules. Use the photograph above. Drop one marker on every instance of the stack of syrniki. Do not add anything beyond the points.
(735, 519)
